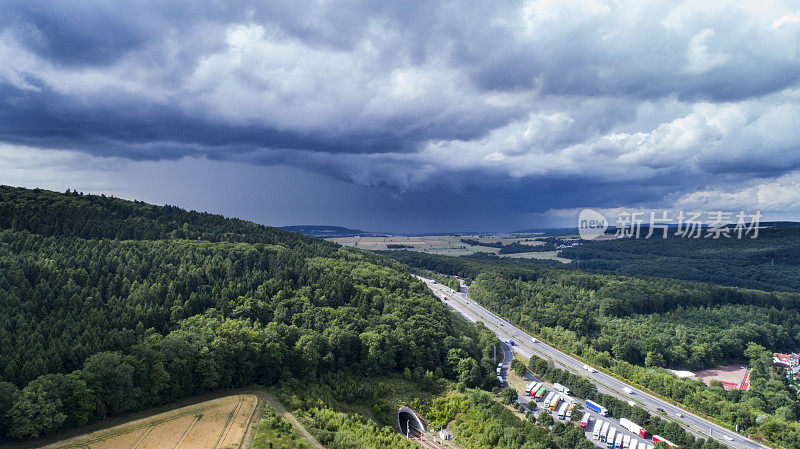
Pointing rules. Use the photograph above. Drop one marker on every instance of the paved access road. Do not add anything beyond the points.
(524, 345)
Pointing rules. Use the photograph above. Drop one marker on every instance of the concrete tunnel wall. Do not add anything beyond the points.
(405, 414)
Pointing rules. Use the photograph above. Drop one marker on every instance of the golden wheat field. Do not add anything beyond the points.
(216, 424)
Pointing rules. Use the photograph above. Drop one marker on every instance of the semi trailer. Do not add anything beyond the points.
(604, 431)
(542, 391)
(561, 388)
(562, 411)
(612, 434)
(591, 405)
(585, 420)
(598, 426)
(633, 427)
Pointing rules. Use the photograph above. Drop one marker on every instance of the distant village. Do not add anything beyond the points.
(790, 361)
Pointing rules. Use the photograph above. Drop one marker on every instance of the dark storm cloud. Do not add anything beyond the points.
(416, 95)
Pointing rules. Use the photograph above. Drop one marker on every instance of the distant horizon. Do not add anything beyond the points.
(521, 231)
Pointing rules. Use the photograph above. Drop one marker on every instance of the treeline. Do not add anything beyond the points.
(550, 244)
(74, 214)
(769, 262)
(92, 326)
(474, 242)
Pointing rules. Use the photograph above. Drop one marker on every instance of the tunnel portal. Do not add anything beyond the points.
(409, 423)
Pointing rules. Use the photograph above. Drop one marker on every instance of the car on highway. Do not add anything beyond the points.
(679, 415)
(534, 340)
(661, 410)
(728, 437)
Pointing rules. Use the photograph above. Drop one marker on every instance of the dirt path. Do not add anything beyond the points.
(293, 421)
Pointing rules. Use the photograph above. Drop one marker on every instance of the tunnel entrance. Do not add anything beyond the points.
(409, 424)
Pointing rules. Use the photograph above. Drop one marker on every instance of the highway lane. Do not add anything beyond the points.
(607, 384)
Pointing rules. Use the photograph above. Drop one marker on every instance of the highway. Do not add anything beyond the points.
(531, 404)
(525, 346)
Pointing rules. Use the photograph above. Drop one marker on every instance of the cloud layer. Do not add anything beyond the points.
(674, 98)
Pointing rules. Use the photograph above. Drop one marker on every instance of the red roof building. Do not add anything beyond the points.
(790, 360)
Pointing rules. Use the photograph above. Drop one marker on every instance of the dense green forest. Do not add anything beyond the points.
(770, 262)
(635, 327)
(109, 306)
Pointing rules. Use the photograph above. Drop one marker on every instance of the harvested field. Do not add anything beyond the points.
(219, 424)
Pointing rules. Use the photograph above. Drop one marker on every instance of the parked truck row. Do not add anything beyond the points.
(604, 432)
(562, 404)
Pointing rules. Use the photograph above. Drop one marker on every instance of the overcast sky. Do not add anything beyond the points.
(410, 116)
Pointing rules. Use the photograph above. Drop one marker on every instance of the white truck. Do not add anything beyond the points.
(561, 388)
(562, 411)
(604, 432)
(626, 442)
(570, 406)
(548, 399)
(612, 434)
(618, 441)
(633, 427)
(598, 426)
(627, 390)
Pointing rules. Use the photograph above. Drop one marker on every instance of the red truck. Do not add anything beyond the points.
(657, 438)
(585, 420)
(633, 427)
